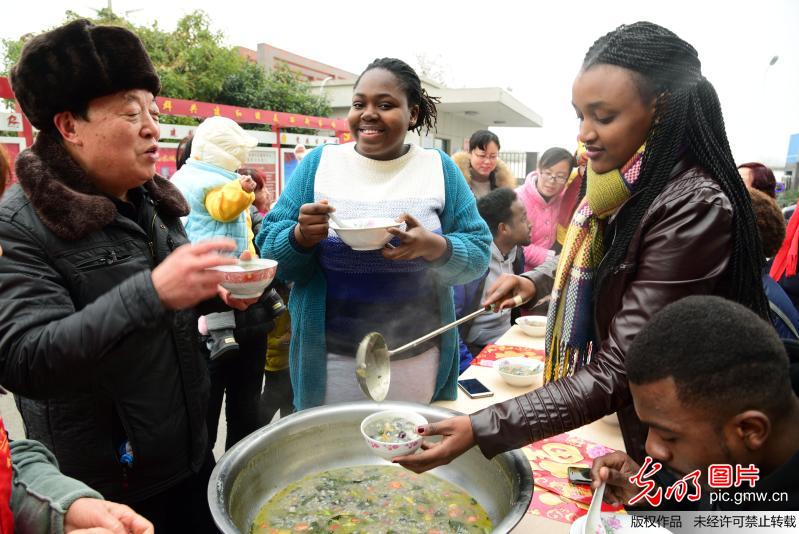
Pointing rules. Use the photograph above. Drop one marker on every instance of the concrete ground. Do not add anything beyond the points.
(13, 423)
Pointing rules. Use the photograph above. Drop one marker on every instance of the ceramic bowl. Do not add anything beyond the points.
(531, 369)
(367, 233)
(248, 279)
(328, 437)
(533, 325)
(390, 449)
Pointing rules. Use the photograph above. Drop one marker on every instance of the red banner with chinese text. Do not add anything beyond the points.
(191, 108)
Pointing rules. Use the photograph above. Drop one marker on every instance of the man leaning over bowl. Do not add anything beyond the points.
(98, 283)
(510, 230)
(717, 398)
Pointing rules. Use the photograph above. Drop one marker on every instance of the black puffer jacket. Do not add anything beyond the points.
(85, 343)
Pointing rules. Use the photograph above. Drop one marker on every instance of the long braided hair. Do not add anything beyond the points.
(687, 119)
(414, 92)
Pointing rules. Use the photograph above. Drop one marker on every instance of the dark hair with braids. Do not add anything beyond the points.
(414, 92)
(688, 118)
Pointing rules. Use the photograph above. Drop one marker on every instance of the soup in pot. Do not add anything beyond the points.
(371, 499)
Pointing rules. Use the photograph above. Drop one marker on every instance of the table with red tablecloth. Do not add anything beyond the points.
(556, 503)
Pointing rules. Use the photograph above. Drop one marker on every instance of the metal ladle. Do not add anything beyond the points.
(373, 359)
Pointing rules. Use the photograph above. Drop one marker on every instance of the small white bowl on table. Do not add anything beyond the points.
(533, 325)
(519, 380)
(368, 233)
(389, 450)
(247, 279)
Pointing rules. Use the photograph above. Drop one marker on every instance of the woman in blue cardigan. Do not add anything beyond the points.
(339, 294)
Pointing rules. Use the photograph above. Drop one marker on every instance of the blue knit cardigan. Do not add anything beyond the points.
(461, 225)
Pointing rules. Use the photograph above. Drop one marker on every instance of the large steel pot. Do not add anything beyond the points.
(328, 437)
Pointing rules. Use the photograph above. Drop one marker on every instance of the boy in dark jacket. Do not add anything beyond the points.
(510, 228)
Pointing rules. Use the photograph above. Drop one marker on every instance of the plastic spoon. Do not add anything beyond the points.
(594, 511)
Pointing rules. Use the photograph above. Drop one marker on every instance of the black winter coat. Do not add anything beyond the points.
(85, 343)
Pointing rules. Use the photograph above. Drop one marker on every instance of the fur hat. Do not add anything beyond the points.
(65, 68)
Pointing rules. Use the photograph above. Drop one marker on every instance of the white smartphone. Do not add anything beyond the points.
(474, 388)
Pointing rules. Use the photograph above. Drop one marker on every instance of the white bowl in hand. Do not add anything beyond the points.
(248, 278)
(518, 371)
(533, 325)
(392, 433)
(368, 233)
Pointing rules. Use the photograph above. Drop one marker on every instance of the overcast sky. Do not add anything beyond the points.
(532, 48)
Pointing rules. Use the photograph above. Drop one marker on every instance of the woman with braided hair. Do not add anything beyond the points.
(340, 294)
(665, 215)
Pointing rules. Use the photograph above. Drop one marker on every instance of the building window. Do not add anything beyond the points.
(442, 144)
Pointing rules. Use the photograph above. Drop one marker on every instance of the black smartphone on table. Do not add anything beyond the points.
(579, 475)
(474, 388)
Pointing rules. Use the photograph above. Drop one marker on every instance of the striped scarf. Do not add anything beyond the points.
(569, 337)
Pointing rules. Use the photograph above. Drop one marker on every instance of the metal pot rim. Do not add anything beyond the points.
(241, 451)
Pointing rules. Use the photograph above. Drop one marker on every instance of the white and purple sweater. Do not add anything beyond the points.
(331, 280)
(366, 292)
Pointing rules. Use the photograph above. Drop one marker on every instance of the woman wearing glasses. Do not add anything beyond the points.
(481, 166)
(541, 195)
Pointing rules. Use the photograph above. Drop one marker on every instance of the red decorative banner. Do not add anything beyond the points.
(5, 89)
(191, 108)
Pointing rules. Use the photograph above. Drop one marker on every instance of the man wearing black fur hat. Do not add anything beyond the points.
(97, 284)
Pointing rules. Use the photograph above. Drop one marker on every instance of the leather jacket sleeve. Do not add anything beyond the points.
(684, 248)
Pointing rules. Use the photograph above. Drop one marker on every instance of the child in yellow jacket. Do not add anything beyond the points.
(219, 200)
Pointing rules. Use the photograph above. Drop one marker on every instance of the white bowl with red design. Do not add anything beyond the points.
(248, 278)
(392, 433)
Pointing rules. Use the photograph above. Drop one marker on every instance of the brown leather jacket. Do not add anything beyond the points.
(682, 247)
